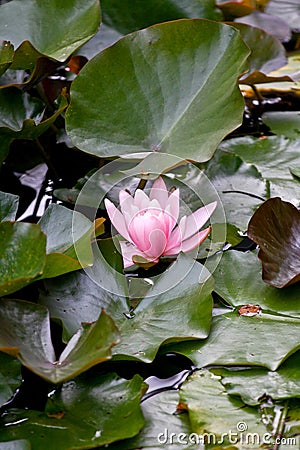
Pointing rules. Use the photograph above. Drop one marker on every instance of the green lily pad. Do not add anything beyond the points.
(162, 426)
(54, 30)
(239, 185)
(285, 123)
(10, 377)
(69, 235)
(179, 301)
(221, 419)
(21, 117)
(238, 281)
(6, 55)
(31, 341)
(8, 206)
(105, 400)
(172, 79)
(228, 343)
(127, 16)
(273, 157)
(20, 262)
(256, 384)
(267, 53)
(275, 227)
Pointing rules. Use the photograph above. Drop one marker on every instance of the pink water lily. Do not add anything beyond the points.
(148, 224)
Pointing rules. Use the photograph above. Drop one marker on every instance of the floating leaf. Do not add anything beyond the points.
(238, 281)
(256, 384)
(127, 16)
(21, 117)
(105, 401)
(275, 227)
(180, 301)
(273, 157)
(162, 426)
(228, 343)
(8, 206)
(6, 55)
(285, 123)
(21, 261)
(218, 416)
(267, 53)
(10, 377)
(172, 79)
(54, 30)
(31, 341)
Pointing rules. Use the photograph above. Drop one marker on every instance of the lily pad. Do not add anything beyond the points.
(172, 79)
(21, 117)
(275, 227)
(238, 281)
(221, 419)
(31, 341)
(20, 261)
(105, 400)
(273, 157)
(8, 206)
(228, 343)
(267, 53)
(6, 55)
(10, 377)
(256, 384)
(180, 301)
(54, 30)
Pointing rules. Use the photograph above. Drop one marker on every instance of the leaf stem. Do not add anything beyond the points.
(280, 428)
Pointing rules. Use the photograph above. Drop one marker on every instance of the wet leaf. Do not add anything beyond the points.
(126, 16)
(228, 343)
(105, 400)
(285, 123)
(6, 55)
(238, 281)
(214, 414)
(20, 261)
(273, 25)
(275, 227)
(236, 8)
(162, 426)
(267, 53)
(8, 206)
(53, 30)
(273, 156)
(255, 385)
(31, 341)
(10, 377)
(156, 120)
(21, 117)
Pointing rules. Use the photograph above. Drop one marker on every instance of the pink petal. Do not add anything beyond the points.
(141, 200)
(117, 219)
(173, 206)
(158, 242)
(128, 251)
(190, 243)
(175, 237)
(197, 219)
(159, 192)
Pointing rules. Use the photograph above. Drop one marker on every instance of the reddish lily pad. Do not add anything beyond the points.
(275, 227)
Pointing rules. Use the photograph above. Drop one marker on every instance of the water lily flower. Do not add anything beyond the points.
(148, 224)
